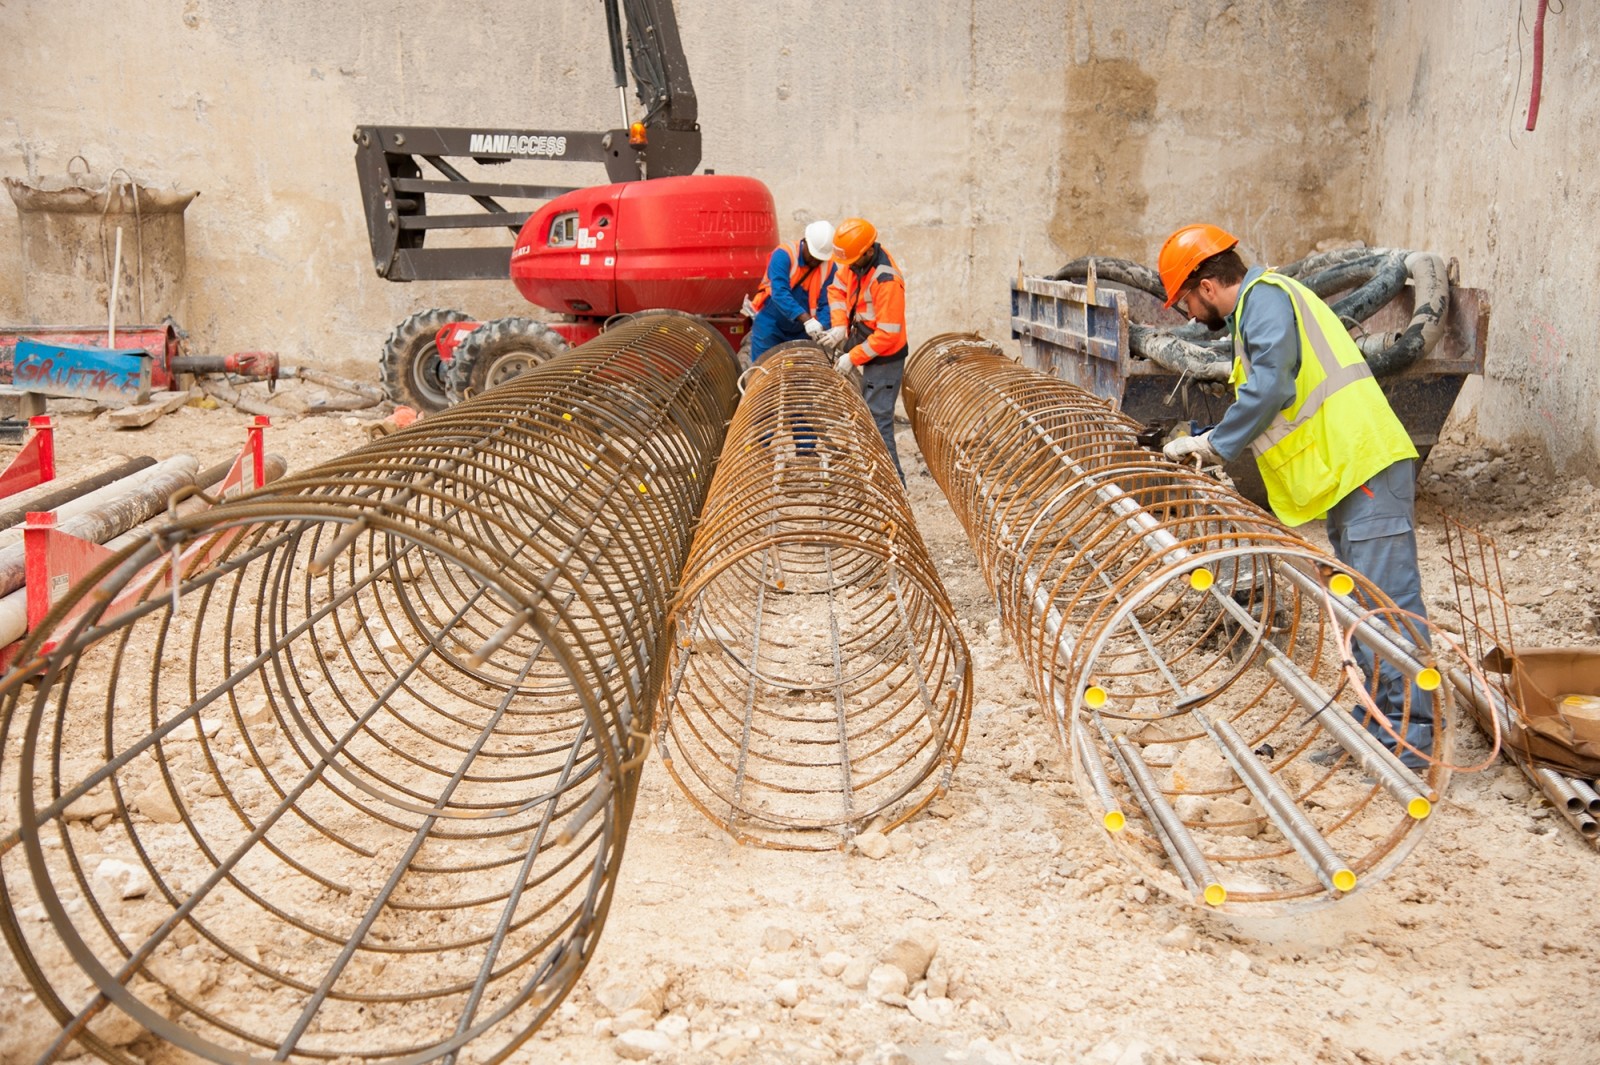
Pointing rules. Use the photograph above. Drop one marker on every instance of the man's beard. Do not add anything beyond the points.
(1212, 318)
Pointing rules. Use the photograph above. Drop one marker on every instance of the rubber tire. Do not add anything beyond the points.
(410, 368)
(498, 351)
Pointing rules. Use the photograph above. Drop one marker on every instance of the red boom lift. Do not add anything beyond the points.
(659, 236)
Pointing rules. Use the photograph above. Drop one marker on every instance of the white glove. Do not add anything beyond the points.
(748, 309)
(813, 328)
(833, 339)
(1193, 447)
(844, 365)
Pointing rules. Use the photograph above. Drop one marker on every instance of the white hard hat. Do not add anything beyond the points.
(819, 240)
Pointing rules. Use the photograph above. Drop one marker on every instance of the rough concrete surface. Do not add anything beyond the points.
(980, 136)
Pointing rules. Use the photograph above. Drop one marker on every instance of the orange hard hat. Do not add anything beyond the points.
(853, 237)
(1187, 249)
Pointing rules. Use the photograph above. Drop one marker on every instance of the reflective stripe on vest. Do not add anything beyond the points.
(1340, 376)
(863, 308)
(1339, 431)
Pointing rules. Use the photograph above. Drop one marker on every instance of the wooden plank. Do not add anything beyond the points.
(145, 413)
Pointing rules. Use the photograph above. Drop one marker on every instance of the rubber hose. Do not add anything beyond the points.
(1122, 271)
(1378, 275)
(1323, 260)
(1432, 291)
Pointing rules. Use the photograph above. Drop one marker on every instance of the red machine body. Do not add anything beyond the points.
(697, 243)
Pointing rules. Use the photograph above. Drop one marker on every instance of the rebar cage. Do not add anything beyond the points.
(361, 749)
(1190, 650)
(820, 684)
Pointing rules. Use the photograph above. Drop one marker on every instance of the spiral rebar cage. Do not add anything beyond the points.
(818, 681)
(357, 787)
(1191, 651)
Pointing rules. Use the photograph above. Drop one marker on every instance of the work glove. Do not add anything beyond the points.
(813, 329)
(833, 339)
(844, 365)
(748, 309)
(1197, 448)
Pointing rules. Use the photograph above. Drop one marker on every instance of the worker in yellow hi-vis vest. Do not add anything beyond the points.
(1325, 439)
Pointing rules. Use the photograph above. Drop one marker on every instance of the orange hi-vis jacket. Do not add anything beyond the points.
(874, 302)
(814, 278)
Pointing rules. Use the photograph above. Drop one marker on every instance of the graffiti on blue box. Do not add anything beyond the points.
(86, 372)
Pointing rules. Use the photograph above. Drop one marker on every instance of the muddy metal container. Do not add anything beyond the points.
(69, 229)
(1079, 333)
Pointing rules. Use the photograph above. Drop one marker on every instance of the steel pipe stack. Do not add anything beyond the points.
(819, 683)
(365, 775)
(1188, 647)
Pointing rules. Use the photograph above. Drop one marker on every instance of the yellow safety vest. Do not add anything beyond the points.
(1338, 432)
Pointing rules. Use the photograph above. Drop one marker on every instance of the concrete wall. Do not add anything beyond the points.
(977, 134)
(1453, 168)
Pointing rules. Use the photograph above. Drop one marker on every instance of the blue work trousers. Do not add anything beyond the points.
(1373, 531)
(880, 387)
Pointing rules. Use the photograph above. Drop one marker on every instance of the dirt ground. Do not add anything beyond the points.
(1479, 948)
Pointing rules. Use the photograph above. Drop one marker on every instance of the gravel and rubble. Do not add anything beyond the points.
(998, 928)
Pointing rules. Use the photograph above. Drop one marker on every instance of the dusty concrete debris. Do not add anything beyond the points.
(887, 982)
(622, 993)
(833, 963)
(912, 955)
(632, 1021)
(156, 803)
(128, 881)
(874, 845)
(786, 993)
(639, 1045)
(1181, 936)
(932, 1011)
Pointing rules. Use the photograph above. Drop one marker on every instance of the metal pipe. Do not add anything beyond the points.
(1558, 789)
(1175, 836)
(1584, 791)
(1140, 593)
(175, 472)
(107, 512)
(52, 494)
(820, 682)
(401, 850)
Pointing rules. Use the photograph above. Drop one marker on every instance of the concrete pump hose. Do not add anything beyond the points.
(1121, 271)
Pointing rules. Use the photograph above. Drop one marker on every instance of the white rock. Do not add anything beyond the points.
(126, 880)
(887, 980)
(855, 975)
(912, 955)
(874, 845)
(638, 1045)
(812, 1012)
(833, 963)
(1239, 960)
(787, 993)
(632, 1021)
(156, 803)
(932, 1011)
(674, 1026)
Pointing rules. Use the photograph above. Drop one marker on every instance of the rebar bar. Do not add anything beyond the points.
(1496, 698)
(1190, 650)
(819, 680)
(356, 786)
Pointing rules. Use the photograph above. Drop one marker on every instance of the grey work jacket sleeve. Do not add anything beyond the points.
(1272, 347)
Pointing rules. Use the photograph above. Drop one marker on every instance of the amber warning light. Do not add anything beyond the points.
(636, 133)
